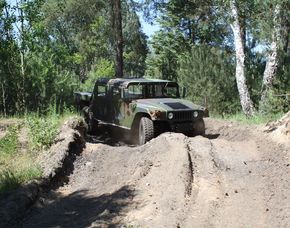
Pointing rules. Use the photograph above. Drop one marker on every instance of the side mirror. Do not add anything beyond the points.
(183, 92)
(122, 93)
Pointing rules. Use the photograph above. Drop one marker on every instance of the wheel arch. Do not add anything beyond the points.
(137, 118)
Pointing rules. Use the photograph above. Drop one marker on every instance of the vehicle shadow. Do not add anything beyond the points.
(111, 136)
(116, 137)
(211, 136)
(82, 209)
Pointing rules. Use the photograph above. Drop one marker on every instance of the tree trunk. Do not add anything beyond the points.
(21, 84)
(4, 100)
(117, 28)
(245, 99)
(273, 59)
(285, 30)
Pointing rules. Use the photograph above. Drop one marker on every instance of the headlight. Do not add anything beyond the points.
(170, 115)
(195, 114)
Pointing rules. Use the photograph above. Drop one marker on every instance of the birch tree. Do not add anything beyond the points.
(278, 42)
(21, 31)
(245, 99)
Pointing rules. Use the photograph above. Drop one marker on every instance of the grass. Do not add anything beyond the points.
(43, 129)
(8, 144)
(12, 176)
(255, 120)
(16, 166)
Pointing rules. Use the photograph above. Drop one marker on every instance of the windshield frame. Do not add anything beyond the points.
(147, 85)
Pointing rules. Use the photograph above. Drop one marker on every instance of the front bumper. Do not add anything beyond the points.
(176, 126)
(181, 122)
(181, 127)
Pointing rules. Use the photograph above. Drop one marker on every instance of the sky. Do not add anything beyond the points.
(147, 28)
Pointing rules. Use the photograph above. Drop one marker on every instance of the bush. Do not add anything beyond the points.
(42, 130)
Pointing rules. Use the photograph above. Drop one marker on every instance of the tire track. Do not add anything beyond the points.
(174, 181)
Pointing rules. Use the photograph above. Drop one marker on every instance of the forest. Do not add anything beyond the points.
(232, 56)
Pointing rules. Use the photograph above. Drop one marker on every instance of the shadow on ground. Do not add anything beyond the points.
(111, 136)
(212, 136)
(79, 209)
(115, 137)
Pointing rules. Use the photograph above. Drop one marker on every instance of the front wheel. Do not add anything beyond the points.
(199, 127)
(146, 130)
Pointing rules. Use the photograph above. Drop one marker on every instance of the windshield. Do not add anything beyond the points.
(160, 90)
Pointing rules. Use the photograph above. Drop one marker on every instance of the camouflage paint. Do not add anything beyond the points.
(124, 112)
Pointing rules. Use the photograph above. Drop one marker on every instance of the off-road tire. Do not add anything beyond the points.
(84, 114)
(146, 130)
(91, 122)
(199, 127)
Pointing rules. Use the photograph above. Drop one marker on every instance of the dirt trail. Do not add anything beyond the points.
(235, 177)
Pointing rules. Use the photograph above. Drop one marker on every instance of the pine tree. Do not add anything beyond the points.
(118, 32)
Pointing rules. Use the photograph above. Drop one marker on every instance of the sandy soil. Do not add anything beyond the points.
(236, 176)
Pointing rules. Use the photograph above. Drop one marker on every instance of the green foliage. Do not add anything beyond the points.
(15, 167)
(207, 73)
(29, 173)
(257, 119)
(8, 181)
(63, 44)
(135, 45)
(11, 178)
(275, 103)
(163, 61)
(278, 98)
(9, 69)
(200, 23)
(50, 84)
(103, 68)
(42, 129)
(8, 144)
(68, 44)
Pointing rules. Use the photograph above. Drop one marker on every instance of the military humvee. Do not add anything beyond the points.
(146, 107)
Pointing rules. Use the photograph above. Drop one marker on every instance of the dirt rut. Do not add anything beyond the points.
(234, 177)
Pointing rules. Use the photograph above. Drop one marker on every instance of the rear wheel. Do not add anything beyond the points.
(146, 130)
(91, 122)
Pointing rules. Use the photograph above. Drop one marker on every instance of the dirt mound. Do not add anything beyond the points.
(280, 129)
(229, 130)
(221, 180)
(56, 164)
(68, 143)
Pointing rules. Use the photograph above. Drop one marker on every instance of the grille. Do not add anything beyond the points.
(182, 116)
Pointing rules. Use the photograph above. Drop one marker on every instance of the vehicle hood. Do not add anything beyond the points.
(168, 104)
